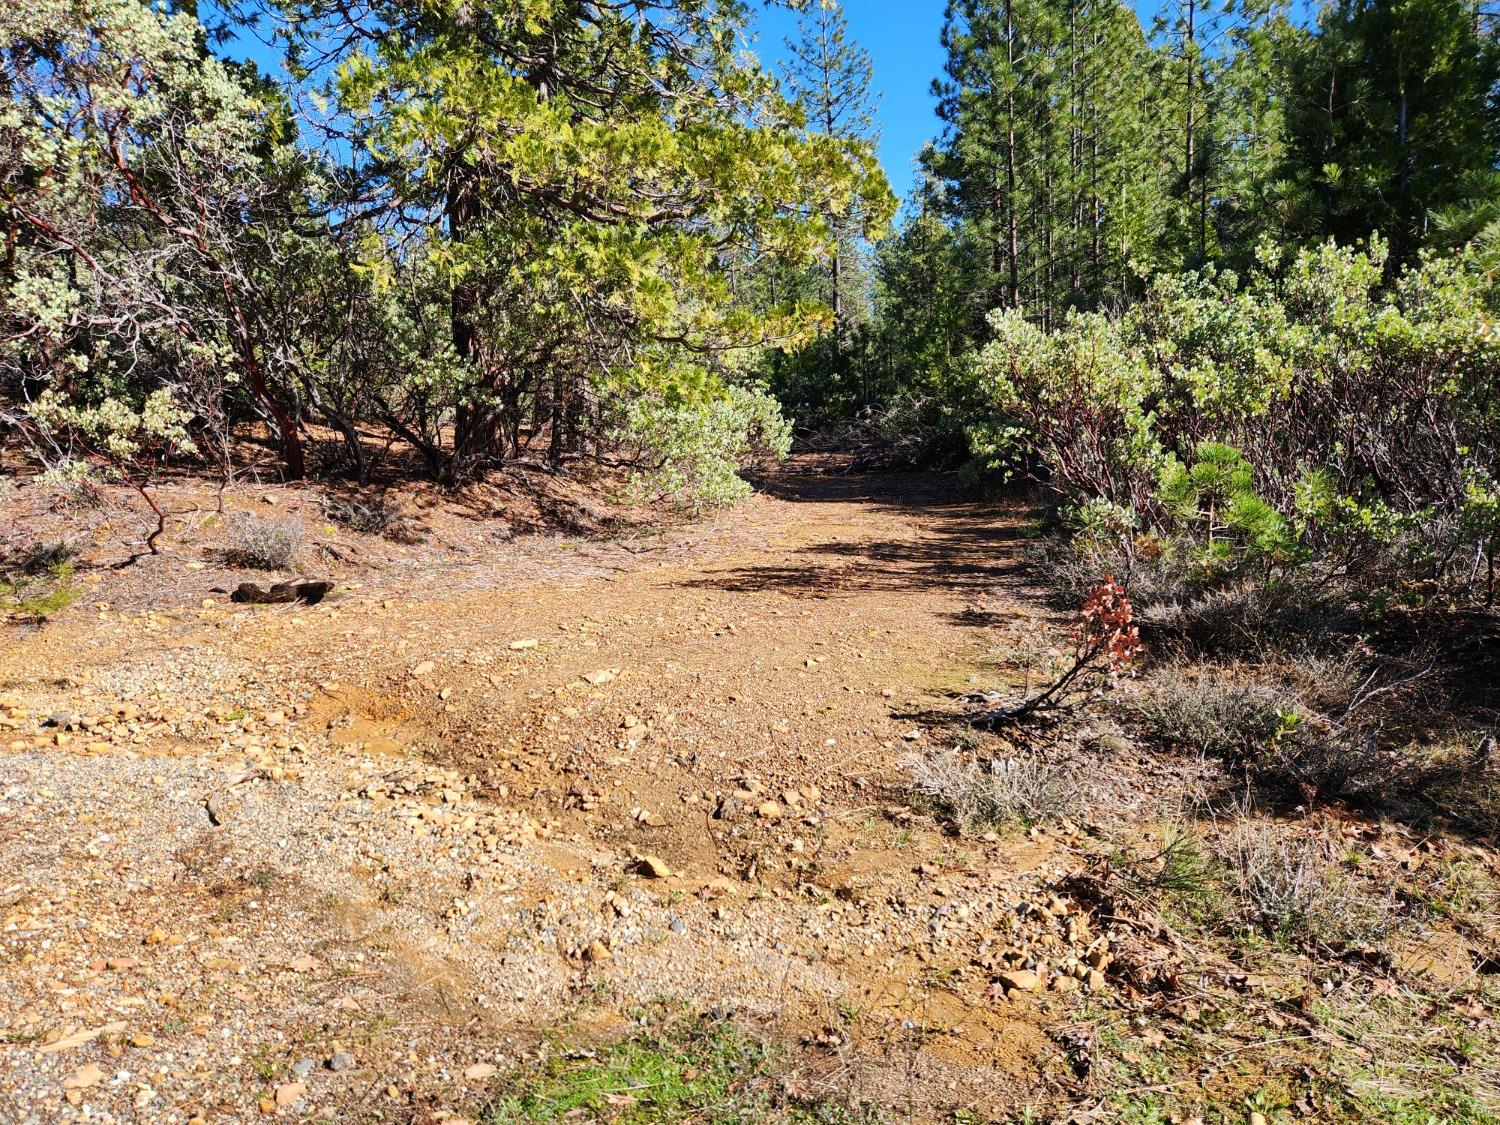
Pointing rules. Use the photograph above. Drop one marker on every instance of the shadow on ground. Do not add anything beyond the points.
(964, 546)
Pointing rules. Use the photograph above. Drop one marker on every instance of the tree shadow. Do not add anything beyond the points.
(963, 546)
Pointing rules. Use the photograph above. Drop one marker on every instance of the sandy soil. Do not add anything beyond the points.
(401, 831)
(362, 860)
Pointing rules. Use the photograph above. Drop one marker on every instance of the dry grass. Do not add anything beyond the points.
(261, 544)
(375, 516)
(1024, 789)
(1294, 886)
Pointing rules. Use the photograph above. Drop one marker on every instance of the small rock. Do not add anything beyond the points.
(83, 1078)
(290, 1093)
(303, 1067)
(1095, 981)
(423, 668)
(596, 951)
(652, 866)
(141, 1040)
(342, 1060)
(523, 644)
(769, 810)
(1020, 980)
(479, 1071)
(677, 926)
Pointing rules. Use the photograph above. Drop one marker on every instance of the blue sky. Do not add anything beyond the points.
(902, 38)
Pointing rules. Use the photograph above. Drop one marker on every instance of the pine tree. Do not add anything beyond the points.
(1045, 149)
(830, 76)
(1393, 118)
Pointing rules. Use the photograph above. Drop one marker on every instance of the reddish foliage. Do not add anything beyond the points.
(1105, 641)
(1107, 626)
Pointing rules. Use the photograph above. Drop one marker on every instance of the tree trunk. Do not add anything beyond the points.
(1010, 159)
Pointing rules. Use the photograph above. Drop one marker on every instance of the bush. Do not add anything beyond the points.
(1291, 885)
(1371, 412)
(1297, 726)
(369, 517)
(690, 451)
(261, 544)
(1215, 711)
(372, 517)
(1025, 789)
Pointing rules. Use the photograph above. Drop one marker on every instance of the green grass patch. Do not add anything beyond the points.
(686, 1070)
(39, 597)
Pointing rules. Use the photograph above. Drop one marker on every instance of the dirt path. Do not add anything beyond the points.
(346, 861)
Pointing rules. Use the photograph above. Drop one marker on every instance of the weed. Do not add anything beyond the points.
(1182, 872)
(36, 581)
(1292, 728)
(1215, 711)
(45, 556)
(1452, 888)
(683, 1070)
(261, 544)
(1024, 789)
(373, 517)
(1290, 886)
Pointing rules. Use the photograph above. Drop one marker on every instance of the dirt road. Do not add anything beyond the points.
(328, 861)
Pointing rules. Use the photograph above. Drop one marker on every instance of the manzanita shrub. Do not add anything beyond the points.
(1310, 413)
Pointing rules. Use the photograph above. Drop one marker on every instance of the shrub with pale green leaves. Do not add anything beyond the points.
(691, 451)
(1307, 412)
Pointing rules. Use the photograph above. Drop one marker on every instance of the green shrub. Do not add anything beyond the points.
(1214, 711)
(690, 450)
(36, 579)
(1305, 415)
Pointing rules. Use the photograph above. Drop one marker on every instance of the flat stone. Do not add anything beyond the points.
(1020, 980)
(83, 1078)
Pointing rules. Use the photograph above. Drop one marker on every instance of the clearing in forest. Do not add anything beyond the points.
(623, 826)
